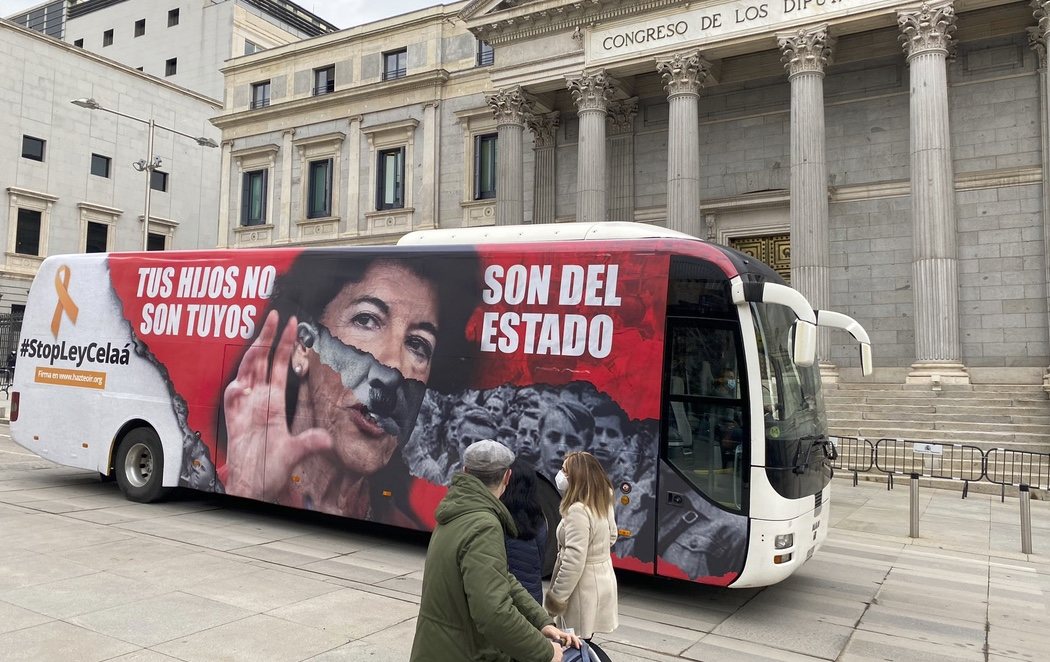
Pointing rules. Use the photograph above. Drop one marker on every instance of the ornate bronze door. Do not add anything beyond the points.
(773, 249)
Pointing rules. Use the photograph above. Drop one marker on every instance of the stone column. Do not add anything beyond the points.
(428, 190)
(222, 239)
(544, 134)
(684, 76)
(353, 176)
(805, 55)
(1038, 38)
(926, 36)
(510, 107)
(591, 94)
(283, 218)
(621, 159)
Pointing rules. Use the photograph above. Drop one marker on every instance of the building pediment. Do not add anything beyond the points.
(501, 21)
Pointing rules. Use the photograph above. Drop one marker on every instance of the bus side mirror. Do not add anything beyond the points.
(804, 348)
(865, 359)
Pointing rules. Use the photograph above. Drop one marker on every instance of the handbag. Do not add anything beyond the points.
(581, 654)
(585, 653)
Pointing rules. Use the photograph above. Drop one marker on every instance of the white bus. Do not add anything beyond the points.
(349, 381)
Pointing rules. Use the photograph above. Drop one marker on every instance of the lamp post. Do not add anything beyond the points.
(151, 162)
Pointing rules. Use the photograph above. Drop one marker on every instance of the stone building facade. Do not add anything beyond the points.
(186, 43)
(68, 184)
(887, 157)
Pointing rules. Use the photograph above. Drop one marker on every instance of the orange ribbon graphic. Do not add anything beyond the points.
(65, 302)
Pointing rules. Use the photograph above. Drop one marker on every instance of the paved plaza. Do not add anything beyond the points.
(86, 575)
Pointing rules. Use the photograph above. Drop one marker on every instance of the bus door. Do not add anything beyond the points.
(704, 453)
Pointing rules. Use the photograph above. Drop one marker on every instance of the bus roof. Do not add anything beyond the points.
(501, 234)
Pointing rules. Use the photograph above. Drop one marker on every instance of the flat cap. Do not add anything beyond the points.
(487, 455)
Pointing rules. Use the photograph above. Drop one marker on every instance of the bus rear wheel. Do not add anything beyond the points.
(139, 466)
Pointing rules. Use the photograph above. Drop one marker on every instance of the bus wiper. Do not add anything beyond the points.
(801, 462)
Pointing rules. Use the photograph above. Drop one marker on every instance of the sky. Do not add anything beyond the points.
(342, 13)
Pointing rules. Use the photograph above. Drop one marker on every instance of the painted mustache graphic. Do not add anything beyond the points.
(387, 398)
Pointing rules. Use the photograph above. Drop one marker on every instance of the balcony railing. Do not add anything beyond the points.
(325, 88)
(260, 103)
(392, 74)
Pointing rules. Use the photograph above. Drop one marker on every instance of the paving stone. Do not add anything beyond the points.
(157, 619)
(348, 613)
(259, 638)
(57, 640)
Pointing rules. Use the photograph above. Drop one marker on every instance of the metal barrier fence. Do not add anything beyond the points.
(10, 330)
(1024, 470)
(947, 461)
(853, 454)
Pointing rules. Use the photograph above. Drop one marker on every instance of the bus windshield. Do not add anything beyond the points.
(793, 406)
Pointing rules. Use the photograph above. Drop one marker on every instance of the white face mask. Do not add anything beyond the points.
(561, 481)
(731, 383)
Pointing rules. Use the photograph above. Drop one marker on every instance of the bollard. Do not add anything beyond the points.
(914, 506)
(1026, 520)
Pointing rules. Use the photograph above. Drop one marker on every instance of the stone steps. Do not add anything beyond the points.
(1004, 415)
(1029, 441)
(990, 422)
(1015, 416)
(943, 400)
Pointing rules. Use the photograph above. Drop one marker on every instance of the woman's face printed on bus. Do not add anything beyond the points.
(365, 373)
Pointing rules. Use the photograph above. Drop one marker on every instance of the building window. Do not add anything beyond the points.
(107, 38)
(100, 165)
(156, 241)
(253, 202)
(27, 233)
(140, 27)
(390, 171)
(319, 195)
(97, 237)
(158, 180)
(33, 148)
(79, 43)
(261, 94)
(171, 66)
(251, 47)
(395, 64)
(324, 80)
(485, 166)
(173, 17)
(486, 54)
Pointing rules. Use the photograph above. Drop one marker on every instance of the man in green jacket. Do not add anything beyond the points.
(472, 608)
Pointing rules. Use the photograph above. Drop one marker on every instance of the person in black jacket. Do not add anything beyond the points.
(525, 552)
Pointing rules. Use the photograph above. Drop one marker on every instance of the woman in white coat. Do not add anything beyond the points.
(582, 593)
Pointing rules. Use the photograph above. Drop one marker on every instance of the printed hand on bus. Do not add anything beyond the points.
(261, 450)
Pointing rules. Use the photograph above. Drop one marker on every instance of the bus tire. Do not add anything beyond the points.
(139, 466)
(550, 501)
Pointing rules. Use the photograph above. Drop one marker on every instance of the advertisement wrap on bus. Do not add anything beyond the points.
(349, 381)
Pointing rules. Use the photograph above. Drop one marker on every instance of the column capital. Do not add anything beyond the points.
(592, 91)
(927, 28)
(1037, 42)
(684, 73)
(1041, 11)
(509, 106)
(544, 128)
(621, 116)
(806, 51)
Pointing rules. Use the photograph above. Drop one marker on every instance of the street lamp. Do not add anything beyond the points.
(151, 162)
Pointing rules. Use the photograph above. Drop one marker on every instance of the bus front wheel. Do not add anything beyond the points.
(139, 466)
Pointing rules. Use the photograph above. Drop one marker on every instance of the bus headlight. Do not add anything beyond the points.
(784, 540)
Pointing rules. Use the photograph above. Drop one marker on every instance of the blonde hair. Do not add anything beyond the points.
(588, 484)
